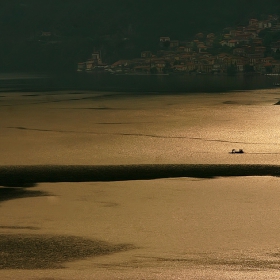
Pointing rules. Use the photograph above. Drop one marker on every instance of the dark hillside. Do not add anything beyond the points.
(121, 28)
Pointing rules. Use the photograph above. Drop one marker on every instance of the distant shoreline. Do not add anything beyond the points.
(25, 176)
(19, 82)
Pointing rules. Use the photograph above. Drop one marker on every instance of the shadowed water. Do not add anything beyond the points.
(27, 176)
(22, 251)
(14, 193)
(123, 83)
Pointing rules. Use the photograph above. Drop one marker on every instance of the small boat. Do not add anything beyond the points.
(240, 151)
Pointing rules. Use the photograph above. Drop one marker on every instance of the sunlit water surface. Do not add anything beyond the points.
(180, 228)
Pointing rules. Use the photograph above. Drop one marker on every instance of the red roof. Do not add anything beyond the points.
(120, 62)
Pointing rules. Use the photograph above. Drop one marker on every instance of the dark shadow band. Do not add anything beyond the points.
(26, 176)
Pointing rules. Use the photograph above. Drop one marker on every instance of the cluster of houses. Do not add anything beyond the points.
(94, 63)
(241, 50)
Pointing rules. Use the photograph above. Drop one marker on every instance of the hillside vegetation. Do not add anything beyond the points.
(120, 28)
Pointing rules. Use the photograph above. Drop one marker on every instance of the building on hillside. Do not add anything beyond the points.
(164, 42)
(268, 59)
(179, 68)
(276, 67)
(164, 39)
(223, 43)
(81, 66)
(245, 38)
(275, 27)
(204, 68)
(253, 58)
(218, 68)
(190, 67)
(260, 50)
(96, 57)
(142, 69)
(233, 32)
(232, 43)
(210, 36)
(275, 46)
(159, 65)
(181, 49)
(257, 41)
(199, 35)
(253, 22)
(201, 48)
(174, 43)
(146, 54)
(265, 24)
(240, 67)
(239, 52)
(89, 65)
(120, 63)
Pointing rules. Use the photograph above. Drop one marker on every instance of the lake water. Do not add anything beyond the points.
(133, 83)
(174, 228)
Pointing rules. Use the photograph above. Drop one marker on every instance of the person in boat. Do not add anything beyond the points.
(240, 151)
